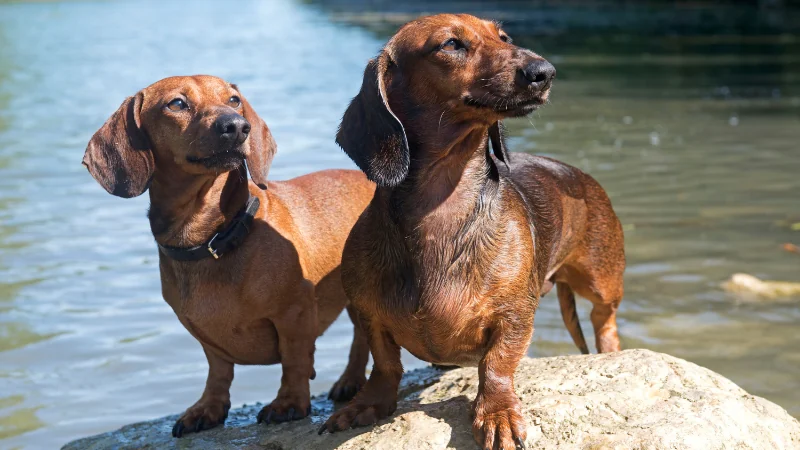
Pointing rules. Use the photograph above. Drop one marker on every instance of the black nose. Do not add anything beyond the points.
(538, 73)
(232, 127)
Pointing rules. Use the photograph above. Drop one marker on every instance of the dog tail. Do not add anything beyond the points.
(566, 299)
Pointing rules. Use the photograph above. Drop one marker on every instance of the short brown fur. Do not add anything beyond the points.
(450, 258)
(266, 301)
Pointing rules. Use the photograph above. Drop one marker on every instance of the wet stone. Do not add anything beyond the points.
(573, 402)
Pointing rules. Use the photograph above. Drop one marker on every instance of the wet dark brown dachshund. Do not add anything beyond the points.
(266, 300)
(451, 256)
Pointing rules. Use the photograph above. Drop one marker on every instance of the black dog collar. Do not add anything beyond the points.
(222, 242)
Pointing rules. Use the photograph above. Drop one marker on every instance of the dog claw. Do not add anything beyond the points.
(342, 392)
(520, 443)
(337, 393)
(322, 429)
(268, 419)
(269, 415)
(345, 392)
(200, 418)
(177, 430)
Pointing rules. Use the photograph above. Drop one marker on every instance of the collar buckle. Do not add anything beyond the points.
(222, 242)
(211, 249)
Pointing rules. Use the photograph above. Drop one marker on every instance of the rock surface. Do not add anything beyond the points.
(635, 399)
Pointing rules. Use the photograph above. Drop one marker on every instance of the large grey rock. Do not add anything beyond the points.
(636, 399)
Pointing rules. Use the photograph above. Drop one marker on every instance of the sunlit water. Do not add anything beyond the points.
(695, 139)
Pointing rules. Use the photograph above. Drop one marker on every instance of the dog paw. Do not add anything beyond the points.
(201, 416)
(503, 429)
(357, 415)
(346, 387)
(284, 410)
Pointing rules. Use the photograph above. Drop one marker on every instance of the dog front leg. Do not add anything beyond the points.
(212, 408)
(297, 331)
(497, 409)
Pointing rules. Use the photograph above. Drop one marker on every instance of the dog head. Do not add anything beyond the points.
(199, 125)
(461, 65)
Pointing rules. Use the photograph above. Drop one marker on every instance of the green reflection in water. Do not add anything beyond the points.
(15, 335)
(17, 421)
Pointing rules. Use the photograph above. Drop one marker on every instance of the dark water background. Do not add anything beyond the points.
(691, 121)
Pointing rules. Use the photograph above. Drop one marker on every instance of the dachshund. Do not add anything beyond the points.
(250, 267)
(458, 244)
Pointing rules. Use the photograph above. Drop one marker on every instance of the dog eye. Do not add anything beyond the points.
(235, 101)
(452, 45)
(177, 105)
(505, 38)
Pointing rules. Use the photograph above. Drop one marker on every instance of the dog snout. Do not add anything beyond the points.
(232, 128)
(538, 73)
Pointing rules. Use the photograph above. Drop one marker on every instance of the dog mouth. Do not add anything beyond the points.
(229, 159)
(511, 107)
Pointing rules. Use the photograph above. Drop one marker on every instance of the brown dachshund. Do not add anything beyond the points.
(451, 256)
(251, 268)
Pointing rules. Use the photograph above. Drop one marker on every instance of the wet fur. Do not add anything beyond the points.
(458, 244)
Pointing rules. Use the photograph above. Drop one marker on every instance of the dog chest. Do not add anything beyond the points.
(239, 341)
(220, 319)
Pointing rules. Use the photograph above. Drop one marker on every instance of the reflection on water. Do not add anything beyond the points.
(20, 420)
(695, 138)
(18, 334)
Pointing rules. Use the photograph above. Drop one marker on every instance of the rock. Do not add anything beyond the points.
(631, 399)
(748, 284)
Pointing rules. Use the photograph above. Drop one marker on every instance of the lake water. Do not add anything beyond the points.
(695, 137)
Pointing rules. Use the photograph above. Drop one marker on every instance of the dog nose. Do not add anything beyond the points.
(232, 127)
(538, 73)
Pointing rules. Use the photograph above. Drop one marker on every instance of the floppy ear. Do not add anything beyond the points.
(119, 155)
(370, 133)
(497, 137)
(262, 146)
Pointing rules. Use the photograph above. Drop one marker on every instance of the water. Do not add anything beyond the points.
(694, 137)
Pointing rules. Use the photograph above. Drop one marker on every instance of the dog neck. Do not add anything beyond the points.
(449, 174)
(186, 210)
(443, 210)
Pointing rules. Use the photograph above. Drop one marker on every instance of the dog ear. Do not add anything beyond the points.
(497, 137)
(118, 155)
(262, 146)
(370, 133)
